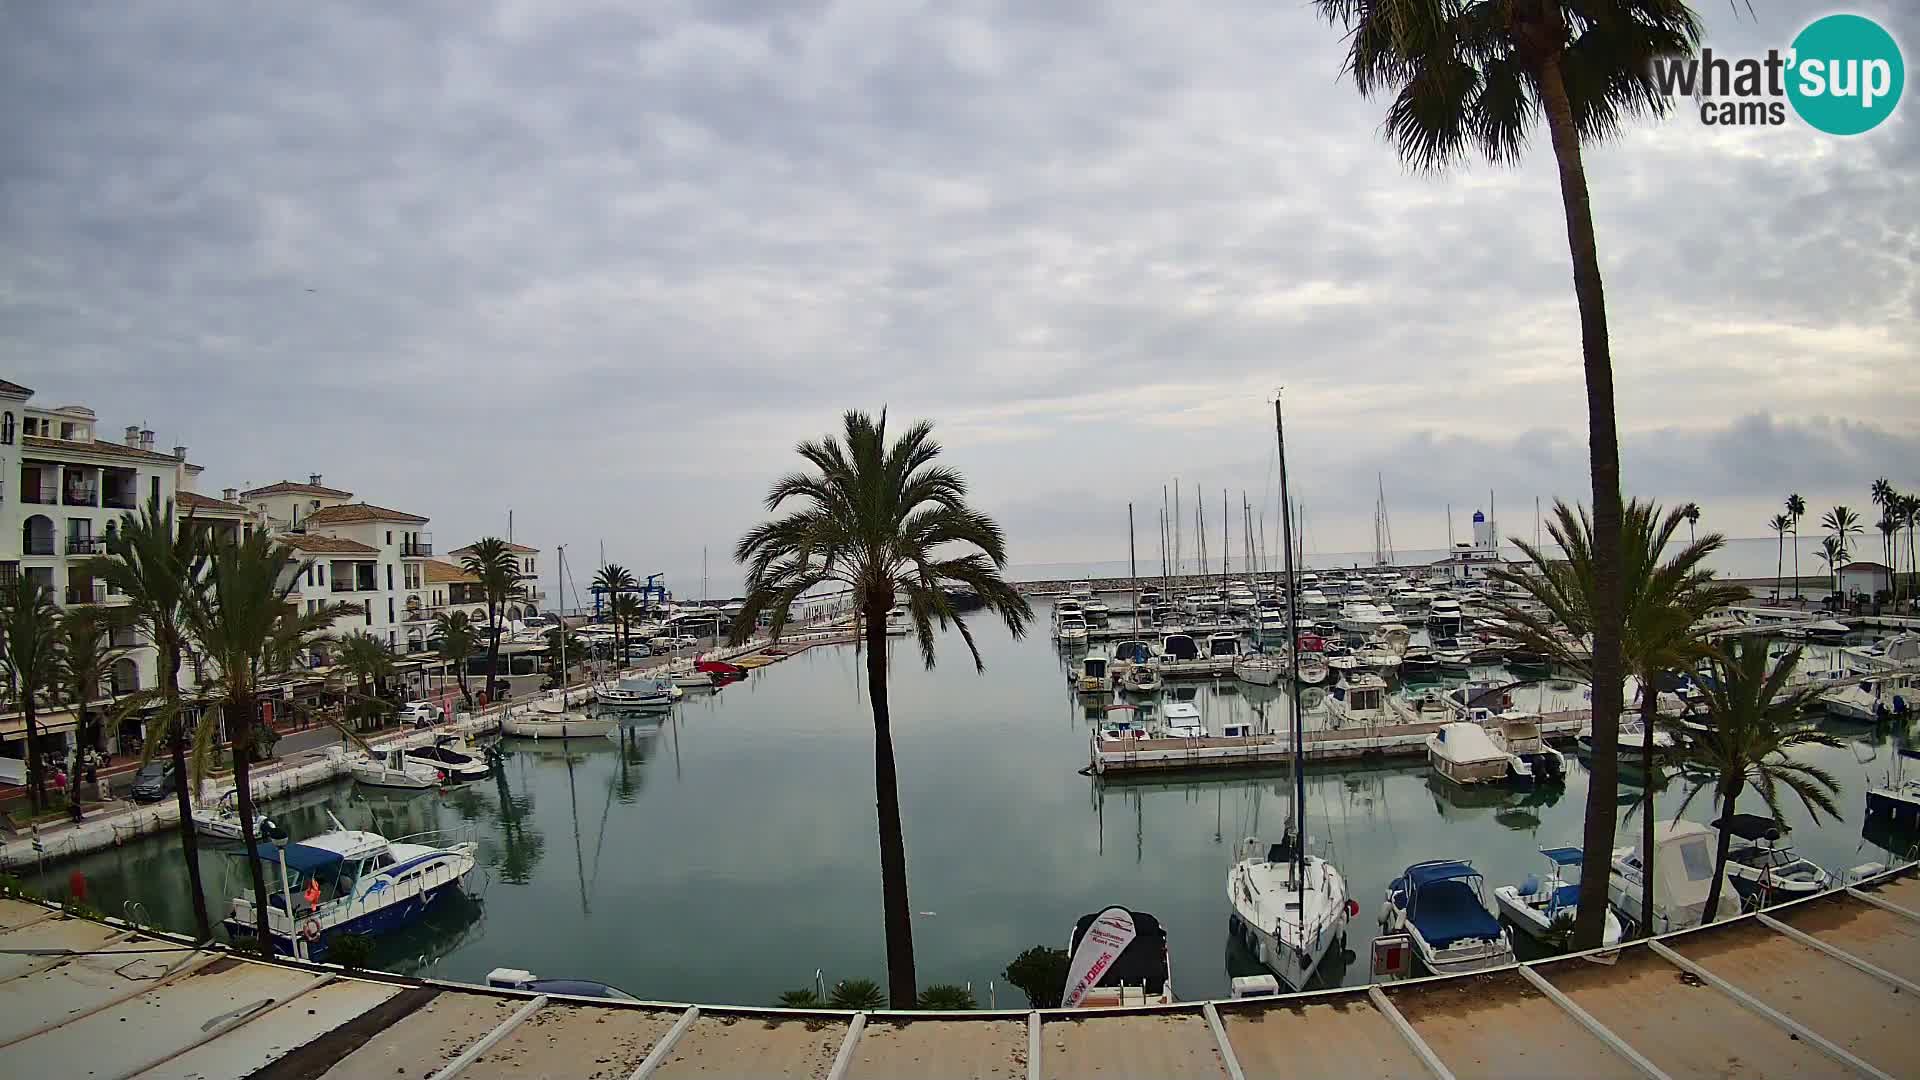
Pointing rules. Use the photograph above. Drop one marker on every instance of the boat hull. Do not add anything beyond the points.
(384, 920)
(586, 727)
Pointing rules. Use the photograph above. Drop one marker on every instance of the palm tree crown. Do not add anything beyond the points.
(497, 571)
(30, 659)
(456, 634)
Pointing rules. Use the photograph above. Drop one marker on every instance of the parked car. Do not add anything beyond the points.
(421, 713)
(684, 642)
(155, 781)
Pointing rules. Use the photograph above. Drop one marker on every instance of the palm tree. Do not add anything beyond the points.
(1910, 514)
(1885, 497)
(1751, 725)
(614, 581)
(1779, 523)
(366, 658)
(247, 624)
(626, 610)
(1834, 556)
(1842, 523)
(497, 571)
(1889, 528)
(1692, 513)
(886, 522)
(159, 569)
(1796, 509)
(85, 658)
(29, 657)
(456, 634)
(1664, 604)
(1473, 76)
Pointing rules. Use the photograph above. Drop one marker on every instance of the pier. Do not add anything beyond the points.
(1113, 756)
(1828, 985)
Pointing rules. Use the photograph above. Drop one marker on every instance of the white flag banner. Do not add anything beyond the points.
(1106, 938)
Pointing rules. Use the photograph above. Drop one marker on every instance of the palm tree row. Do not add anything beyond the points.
(1899, 512)
(496, 570)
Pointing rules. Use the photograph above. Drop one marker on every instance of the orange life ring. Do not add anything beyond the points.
(310, 932)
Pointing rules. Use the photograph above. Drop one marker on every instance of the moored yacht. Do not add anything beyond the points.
(1441, 906)
(1537, 903)
(637, 692)
(1682, 875)
(1762, 866)
(1290, 908)
(1118, 957)
(454, 756)
(394, 769)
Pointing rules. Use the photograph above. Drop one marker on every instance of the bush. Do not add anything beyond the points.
(1041, 974)
(857, 994)
(947, 996)
(800, 999)
(350, 951)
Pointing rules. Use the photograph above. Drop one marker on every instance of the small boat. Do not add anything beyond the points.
(1261, 670)
(455, 757)
(636, 692)
(1118, 958)
(1223, 646)
(1093, 676)
(1418, 662)
(1289, 908)
(1181, 720)
(222, 821)
(1313, 668)
(349, 882)
(1683, 871)
(687, 675)
(898, 624)
(394, 769)
(1440, 904)
(1464, 753)
(1363, 704)
(1530, 760)
(1632, 748)
(1869, 701)
(1096, 610)
(1762, 867)
(721, 669)
(1070, 630)
(521, 979)
(1537, 903)
(535, 724)
(1143, 679)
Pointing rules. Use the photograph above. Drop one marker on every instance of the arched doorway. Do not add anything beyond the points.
(36, 535)
(123, 677)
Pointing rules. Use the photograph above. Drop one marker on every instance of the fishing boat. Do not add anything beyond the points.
(394, 769)
(637, 692)
(1682, 874)
(1762, 867)
(1537, 903)
(539, 724)
(221, 821)
(1118, 958)
(454, 756)
(350, 882)
(1441, 905)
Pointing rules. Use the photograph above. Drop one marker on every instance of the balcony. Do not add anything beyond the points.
(82, 496)
(341, 586)
(35, 493)
(86, 545)
(91, 592)
(121, 500)
(420, 548)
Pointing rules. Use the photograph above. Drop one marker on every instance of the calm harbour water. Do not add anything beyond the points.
(730, 854)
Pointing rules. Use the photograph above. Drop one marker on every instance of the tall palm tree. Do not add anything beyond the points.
(1796, 509)
(1752, 724)
(366, 658)
(456, 634)
(1843, 524)
(29, 656)
(614, 581)
(497, 572)
(886, 522)
(1910, 514)
(1889, 528)
(1779, 523)
(85, 658)
(159, 569)
(249, 627)
(1474, 77)
(1884, 497)
(627, 609)
(1692, 513)
(1664, 604)
(1834, 556)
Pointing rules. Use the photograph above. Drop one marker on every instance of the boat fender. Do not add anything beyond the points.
(1386, 912)
(310, 932)
(1353, 907)
(1506, 701)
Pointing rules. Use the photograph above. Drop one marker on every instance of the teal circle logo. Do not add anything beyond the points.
(1846, 74)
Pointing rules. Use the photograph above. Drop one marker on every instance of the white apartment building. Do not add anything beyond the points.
(454, 596)
(370, 557)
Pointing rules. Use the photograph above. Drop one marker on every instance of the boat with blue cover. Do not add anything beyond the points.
(1535, 904)
(1441, 905)
(349, 882)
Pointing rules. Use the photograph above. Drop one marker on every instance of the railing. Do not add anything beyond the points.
(86, 545)
(82, 497)
(416, 548)
(44, 496)
(90, 593)
(342, 586)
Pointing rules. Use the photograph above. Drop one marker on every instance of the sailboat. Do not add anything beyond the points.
(1289, 907)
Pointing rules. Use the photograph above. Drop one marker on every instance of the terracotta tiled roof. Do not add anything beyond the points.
(446, 573)
(14, 388)
(518, 549)
(111, 449)
(327, 545)
(352, 512)
(193, 500)
(288, 487)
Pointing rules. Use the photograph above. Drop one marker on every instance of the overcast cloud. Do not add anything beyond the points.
(603, 263)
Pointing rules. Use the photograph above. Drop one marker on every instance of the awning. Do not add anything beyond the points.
(1428, 873)
(1563, 856)
(304, 858)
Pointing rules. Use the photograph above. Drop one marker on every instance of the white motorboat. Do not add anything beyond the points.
(394, 769)
(1537, 903)
(451, 754)
(1067, 605)
(1444, 616)
(1181, 720)
(1289, 908)
(898, 625)
(536, 724)
(221, 821)
(1313, 668)
(1261, 670)
(637, 692)
(1762, 867)
(1361, 618)
(1093, 676)
(1070, 630)
(1632, 748)
(1223, 646)
(1465, 754)
(1270, 626)
(1682, 873)
(1096, 610)
(1118, 958)
(1529, 759)
(1441, 905)
(347, 882)
(1362, 704)
(1870, 700)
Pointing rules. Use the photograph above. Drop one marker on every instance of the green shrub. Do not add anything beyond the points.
(350, 951)
(857, 994)
(1041, 974)
(800, 999)
(947, 997)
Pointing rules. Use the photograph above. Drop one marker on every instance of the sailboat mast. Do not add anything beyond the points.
(1293, 688)
(1178, 566)
(1226, 543)
(1133, 565)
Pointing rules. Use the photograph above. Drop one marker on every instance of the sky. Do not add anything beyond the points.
(603, 264)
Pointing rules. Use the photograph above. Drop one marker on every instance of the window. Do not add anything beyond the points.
(66, 432)
(323, 573)
(6, 429)
(309, 577)
(389, 568)
(389, 606)
(366, 609)
(1698, 860)
(389, 537)
(155, 488)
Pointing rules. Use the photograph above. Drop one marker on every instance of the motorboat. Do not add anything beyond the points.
(394, 769)
(1870, 700)
(1477, 701)
(1314, 604)
(1361, 618)
(1429, 706)
(1452, 661)
(1068, 605)
(349, 882)
(1270, 626)
(1764, 868)
(1118, 958)
(1465, 753)
(1632, 746)
(1070, 629)
(1223, 646)
(1441, 905)
(1181, 720)
(637, 692)
(721, 670)
(221, 821)
(1361, 703)
(1538, 903)
(536, 724)
(1529, 759)
(1179, 647)
(686, 675)
(1682, 874)
(458, 759)
(1261, 670)
(1093, 676)
(1418, 663)
(1290, 908)
(1096, 610)
(522, 979)
(1141, 679)
(1444, 616)
(1122, 724)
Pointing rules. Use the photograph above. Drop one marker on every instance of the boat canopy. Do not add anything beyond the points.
(1751, 826)
(1142, 963)
(301, 858)
(1136, 651)
(1429, 872)
(1563, 856)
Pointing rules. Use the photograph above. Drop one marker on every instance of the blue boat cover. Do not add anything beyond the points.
(301, 858)
(1449, 910)
(1566, 896)
(1563, 856)
(1425, 873)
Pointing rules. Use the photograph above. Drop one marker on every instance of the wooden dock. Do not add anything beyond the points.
(1257, 751)
(1826, 986)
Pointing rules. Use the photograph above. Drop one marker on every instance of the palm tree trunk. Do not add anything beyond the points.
(1779, 562)
(240, 714)
(1729, 794)
(493, 648)
(1604, 462)
(1796, 559)
(177, 750)
(898, 915)
(36, 776)
(1649, 706)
